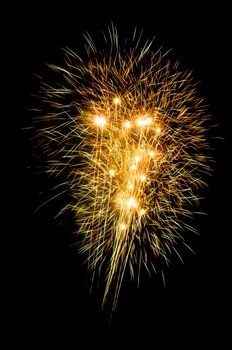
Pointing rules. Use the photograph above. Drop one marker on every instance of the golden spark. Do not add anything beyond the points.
(125, 132)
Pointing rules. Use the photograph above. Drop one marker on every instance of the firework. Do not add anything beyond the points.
(124, 131)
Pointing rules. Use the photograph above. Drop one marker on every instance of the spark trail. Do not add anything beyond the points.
(124, 130)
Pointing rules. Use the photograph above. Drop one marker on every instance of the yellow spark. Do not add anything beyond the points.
(127, 124)
(144, 121)
(132, 203)
(122, 227)
(100, 121)
(137, 159)
(133, 167)
(142, 211)
(112, 172)
(117, 100)
(152, 153)
(130, 185)
(143, 178)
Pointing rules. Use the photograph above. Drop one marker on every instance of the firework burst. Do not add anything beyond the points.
(124, 130)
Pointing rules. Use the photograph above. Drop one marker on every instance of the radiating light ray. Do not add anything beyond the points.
(125, 131)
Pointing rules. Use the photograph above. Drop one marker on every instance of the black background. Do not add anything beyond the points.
(47, 299)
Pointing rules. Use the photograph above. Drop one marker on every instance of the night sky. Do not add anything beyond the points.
(48, 302)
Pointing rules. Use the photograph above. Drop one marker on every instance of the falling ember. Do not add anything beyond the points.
(124, 131)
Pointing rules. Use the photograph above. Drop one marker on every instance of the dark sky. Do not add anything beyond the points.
(48, 301)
